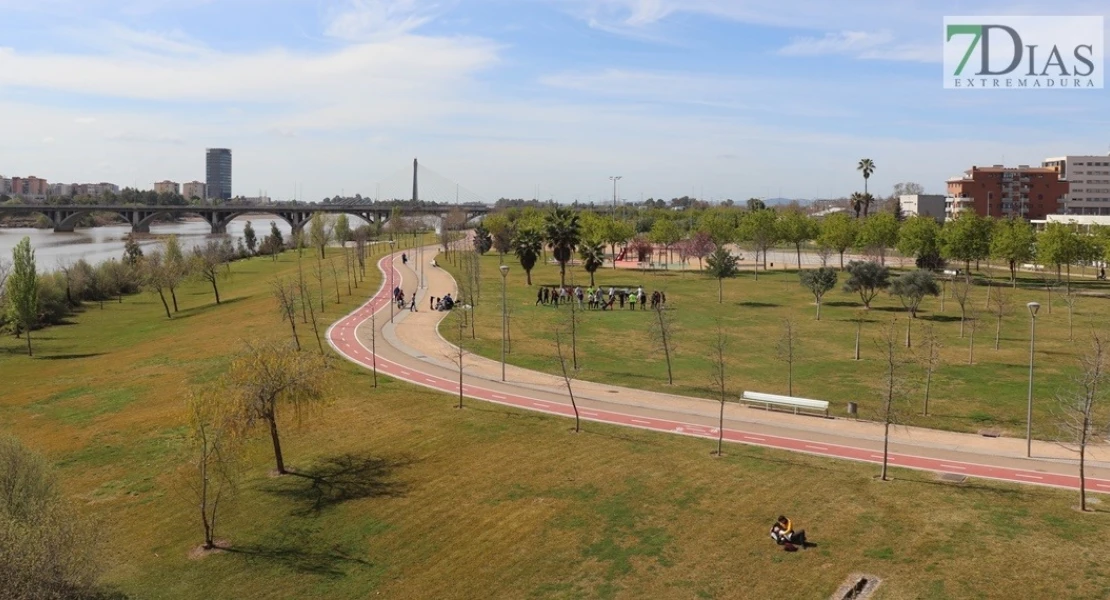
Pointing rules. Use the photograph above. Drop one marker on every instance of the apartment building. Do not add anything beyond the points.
(1088, 180)
(167, 187)
(5, 186)
(925, 205)
(194, 189)
(999, 191)
(30, 188)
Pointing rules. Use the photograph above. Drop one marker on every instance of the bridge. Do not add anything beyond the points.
(64, 218)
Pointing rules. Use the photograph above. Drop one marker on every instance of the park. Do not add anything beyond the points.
(390, 489)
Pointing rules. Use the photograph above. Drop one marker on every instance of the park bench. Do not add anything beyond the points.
(769, 400)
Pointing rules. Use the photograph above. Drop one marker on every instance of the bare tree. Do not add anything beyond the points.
(973, 323)
(334, 277)
(787, 351)
(894, 384)
(859, 329)
(931, 359)
(662, 332)
(268, 378)
(305, 297)
(206, 263)
(286, 295)
(213, 470)
(568, 376)
(1082, 419)
(961, 292)
(719, 376)
(1071, 298)
(318, 275)
(1002, 302)
(458, 351)
(309, 305)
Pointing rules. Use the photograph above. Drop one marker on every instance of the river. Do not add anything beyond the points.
(97, 244)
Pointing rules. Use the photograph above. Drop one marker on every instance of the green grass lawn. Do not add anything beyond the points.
(414, 499)
(617, 347)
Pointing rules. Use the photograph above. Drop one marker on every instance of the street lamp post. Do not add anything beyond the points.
(615, 179)
(504, 317)
(392, 288)
(1033, 307)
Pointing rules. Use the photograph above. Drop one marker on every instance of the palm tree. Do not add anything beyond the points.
(867, 167)
(592, 253)
(856, 202)
(563, 234)
(527, 245)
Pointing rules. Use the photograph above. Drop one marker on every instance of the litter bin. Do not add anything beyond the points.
(853, 409)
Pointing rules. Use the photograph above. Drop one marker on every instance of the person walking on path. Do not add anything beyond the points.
(632, 301)
(412, 303)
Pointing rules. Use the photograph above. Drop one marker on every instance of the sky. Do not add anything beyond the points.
(713, 99)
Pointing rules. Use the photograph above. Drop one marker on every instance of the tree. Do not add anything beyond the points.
(483, 240)
(132, 252)
(666, 233)
(23, 290)
(917, 237)
(286, 296)
(931, 359)
(1058, 245)
(855, 201)
(213, 468)
(755, 204)
(662, 332)
(617, 233)
(1002, 303)
(319, 234)
(1071, 299)
(720, 226)
(893, 389)
(908, 188)
(973, 321)
(46, 550)
(961, 291)
(1082, 419)
(911, 288)
(761, 230)
(797, 228)
(207, 261)
(839, 232)
(342, 230)
(877, 233)
(722, 265)
(719, 376)
(176, 268)
(153, 275)
(275, 233)
(1012, 242)
(250, 238)
(458, 349)
(568, 376)
(592, 253)
(786, 349)
(965, 238)
(867, 279)
(818, 282)
(563, 235)
(501, 232)
(266, 379)
(866, 167)
(700, 246)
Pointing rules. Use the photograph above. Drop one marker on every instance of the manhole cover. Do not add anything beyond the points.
(953, 477)
(857, 587)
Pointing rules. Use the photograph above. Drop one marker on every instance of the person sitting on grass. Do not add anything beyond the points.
(784, 535)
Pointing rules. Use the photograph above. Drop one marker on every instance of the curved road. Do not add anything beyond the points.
(399, 354)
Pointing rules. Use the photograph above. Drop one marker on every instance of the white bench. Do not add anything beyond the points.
(787, 401)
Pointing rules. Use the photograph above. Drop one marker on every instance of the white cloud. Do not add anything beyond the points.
(844, 42)
(362, 20)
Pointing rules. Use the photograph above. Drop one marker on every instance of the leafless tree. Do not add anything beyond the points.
(719, 376)
(1002, 302)
(973, 324)
(335, 277)
(286, 296)
(311, 317)
(943, 291)
(457, 353)
(213, 471)
(302, 288)
(930, 357)
(1071, 298)
(859, 329)
(318, 275)
(662, 332)
(206, 263)
(568, 376)
(824, 252)
(894, 388)
(961, 292)
(787, 351)
(1082, 415)
(1051, 282)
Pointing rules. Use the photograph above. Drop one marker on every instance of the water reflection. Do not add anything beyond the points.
(97, 244)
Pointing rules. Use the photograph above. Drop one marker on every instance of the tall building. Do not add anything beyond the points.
(167, 187)
(29, 187)
(218, 163)
(998, 191)
(924, 205)
(5, 186)
(1088, 180)
(194, 189)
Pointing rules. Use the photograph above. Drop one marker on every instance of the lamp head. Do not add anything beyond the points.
(504, 270)
(1033, 308)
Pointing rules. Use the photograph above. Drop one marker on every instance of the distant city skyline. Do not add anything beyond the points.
(707, 98)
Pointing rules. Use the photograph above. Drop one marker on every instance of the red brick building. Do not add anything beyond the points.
(28, 186)
(1028, 192)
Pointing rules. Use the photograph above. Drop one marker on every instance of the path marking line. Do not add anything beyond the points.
(499, 396)
(641, 422)
(1037, 477)
(948, 466)
(812, 447)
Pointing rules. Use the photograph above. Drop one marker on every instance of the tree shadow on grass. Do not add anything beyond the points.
(758, 304)
(198, 310)
(842, 304)
(302, 555)
(338, 479)
(70, 356)
(939, 318)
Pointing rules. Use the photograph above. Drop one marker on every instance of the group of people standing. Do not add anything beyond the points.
(599, 298)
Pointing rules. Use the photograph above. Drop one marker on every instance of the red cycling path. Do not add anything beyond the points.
(410, 349)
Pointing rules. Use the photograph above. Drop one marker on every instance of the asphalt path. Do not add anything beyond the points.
(351, 338)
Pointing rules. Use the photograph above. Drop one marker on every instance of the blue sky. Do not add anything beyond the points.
(711, 98)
